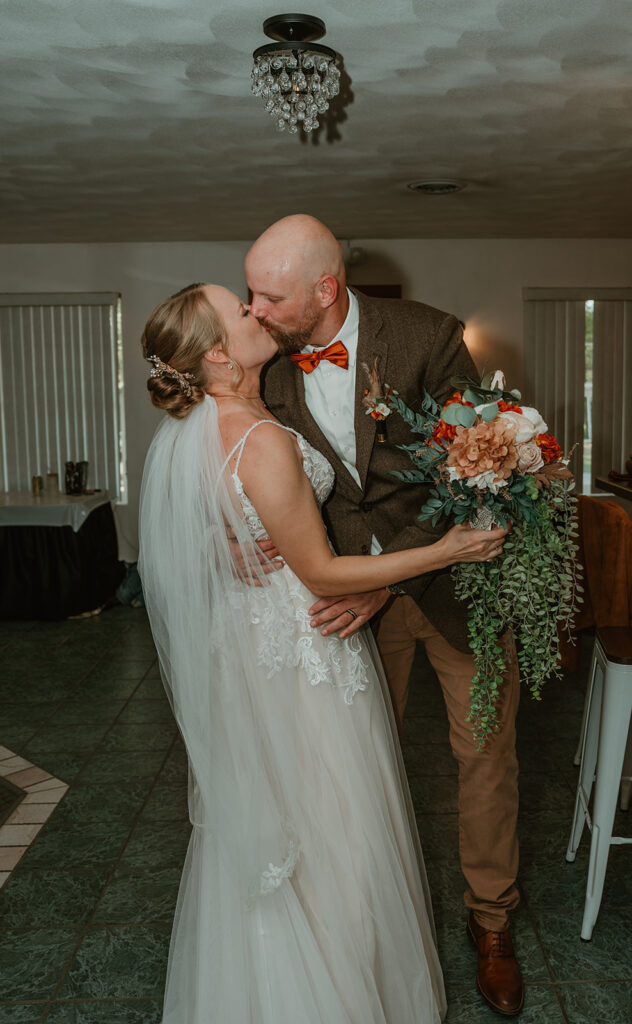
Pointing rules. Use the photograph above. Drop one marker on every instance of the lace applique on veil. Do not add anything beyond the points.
(274, 875)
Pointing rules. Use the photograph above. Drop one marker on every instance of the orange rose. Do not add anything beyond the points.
(443, 432)
(504, 406)
(549, 447)
(457, 397)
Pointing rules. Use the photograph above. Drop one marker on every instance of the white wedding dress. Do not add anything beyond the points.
(304, 898)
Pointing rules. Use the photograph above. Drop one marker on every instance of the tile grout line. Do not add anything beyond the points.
(545, 957)
(88, 921)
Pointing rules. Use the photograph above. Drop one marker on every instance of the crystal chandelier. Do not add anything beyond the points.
(296, 76)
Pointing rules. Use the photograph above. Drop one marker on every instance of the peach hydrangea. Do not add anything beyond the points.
(485, 454)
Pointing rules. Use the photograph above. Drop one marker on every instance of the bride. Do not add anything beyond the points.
(303, 897)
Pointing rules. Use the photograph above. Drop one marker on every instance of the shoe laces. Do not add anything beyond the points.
(501, 944)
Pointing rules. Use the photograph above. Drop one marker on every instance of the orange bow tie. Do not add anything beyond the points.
(335, 353)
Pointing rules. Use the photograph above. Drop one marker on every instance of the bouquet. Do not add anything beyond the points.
(492, 461)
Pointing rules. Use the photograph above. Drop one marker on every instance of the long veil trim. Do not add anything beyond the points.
(192, 538)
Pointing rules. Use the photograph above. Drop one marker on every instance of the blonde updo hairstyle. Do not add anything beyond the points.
(180, 331)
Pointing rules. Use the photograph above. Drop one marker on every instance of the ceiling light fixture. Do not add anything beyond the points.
(296, 76)
(437, 186)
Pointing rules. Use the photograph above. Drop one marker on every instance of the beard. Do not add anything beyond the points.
(291, 341)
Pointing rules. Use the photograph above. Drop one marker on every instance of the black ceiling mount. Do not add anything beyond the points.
(294, 28)
(294, 32)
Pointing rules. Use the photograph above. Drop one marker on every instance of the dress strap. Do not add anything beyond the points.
(240, 444)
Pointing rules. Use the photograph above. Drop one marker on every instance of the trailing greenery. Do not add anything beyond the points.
(526, 593)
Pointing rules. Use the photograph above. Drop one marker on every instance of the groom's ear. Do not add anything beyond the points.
(327, 290)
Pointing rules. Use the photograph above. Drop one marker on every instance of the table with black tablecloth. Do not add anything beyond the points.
(58, 555)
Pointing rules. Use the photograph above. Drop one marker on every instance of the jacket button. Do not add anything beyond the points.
(364, 550)
(366, 506)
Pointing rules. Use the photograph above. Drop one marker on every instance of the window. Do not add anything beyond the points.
(589, 309)
(61, 389)
(578, 371)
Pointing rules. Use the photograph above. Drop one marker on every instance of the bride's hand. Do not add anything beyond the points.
(463, 544)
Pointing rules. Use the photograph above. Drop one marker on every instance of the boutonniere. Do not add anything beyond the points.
(374, 399)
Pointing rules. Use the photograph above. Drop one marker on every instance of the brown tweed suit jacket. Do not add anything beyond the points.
(417, 347)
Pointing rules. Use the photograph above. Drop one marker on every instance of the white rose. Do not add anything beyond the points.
(485, 481)
(539, 426)
(528, 423)
(529, 457)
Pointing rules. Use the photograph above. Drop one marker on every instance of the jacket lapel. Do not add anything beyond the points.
(370, 345)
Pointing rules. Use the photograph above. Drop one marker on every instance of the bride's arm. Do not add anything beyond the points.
(273, 478)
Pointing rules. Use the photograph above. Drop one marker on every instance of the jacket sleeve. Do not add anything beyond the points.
(448, 357)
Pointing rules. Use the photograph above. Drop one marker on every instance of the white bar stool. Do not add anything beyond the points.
(609, 709)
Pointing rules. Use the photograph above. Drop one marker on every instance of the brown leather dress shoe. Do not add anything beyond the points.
(498, 976)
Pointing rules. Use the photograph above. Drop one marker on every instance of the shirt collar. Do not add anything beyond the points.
(348, 333)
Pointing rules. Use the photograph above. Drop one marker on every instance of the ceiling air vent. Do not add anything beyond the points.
(436, 186)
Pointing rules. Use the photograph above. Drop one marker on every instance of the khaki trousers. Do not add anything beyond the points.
(488, 779)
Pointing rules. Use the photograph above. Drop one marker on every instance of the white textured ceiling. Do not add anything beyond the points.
(133, 120)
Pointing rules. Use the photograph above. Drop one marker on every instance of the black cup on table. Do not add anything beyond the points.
(82, 469)
(73, 478)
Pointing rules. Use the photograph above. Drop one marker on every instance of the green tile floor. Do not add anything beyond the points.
(86, 914)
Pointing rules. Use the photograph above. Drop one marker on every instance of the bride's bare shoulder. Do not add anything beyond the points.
(271, 460)
(269, 437)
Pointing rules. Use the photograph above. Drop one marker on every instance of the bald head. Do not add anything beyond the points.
(298, 247)
(296, 274)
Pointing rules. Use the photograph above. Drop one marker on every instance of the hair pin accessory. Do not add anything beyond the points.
(162, 369)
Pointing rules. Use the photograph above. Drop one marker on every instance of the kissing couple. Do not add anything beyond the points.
(272, 532)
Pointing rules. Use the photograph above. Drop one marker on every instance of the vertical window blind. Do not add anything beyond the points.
(555, 370)
(61, 389)
(612, 384)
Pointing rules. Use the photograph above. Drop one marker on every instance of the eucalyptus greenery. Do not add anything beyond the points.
(529, 591)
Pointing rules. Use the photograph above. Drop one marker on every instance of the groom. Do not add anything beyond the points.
(296, 275)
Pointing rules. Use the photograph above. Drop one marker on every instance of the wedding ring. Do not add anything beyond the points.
(353, 614)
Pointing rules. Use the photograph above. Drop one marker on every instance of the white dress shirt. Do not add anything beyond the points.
(330, 394)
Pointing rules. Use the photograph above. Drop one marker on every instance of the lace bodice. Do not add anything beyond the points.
(283, 638)
(316, 467)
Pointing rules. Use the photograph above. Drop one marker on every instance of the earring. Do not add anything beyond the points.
(230, 366)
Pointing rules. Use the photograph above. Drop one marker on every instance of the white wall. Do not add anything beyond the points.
(480, 280)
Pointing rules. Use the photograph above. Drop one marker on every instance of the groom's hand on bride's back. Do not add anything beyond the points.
(332, 614)
(268, 560)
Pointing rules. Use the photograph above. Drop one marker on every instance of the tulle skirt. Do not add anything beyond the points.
(338, 929)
